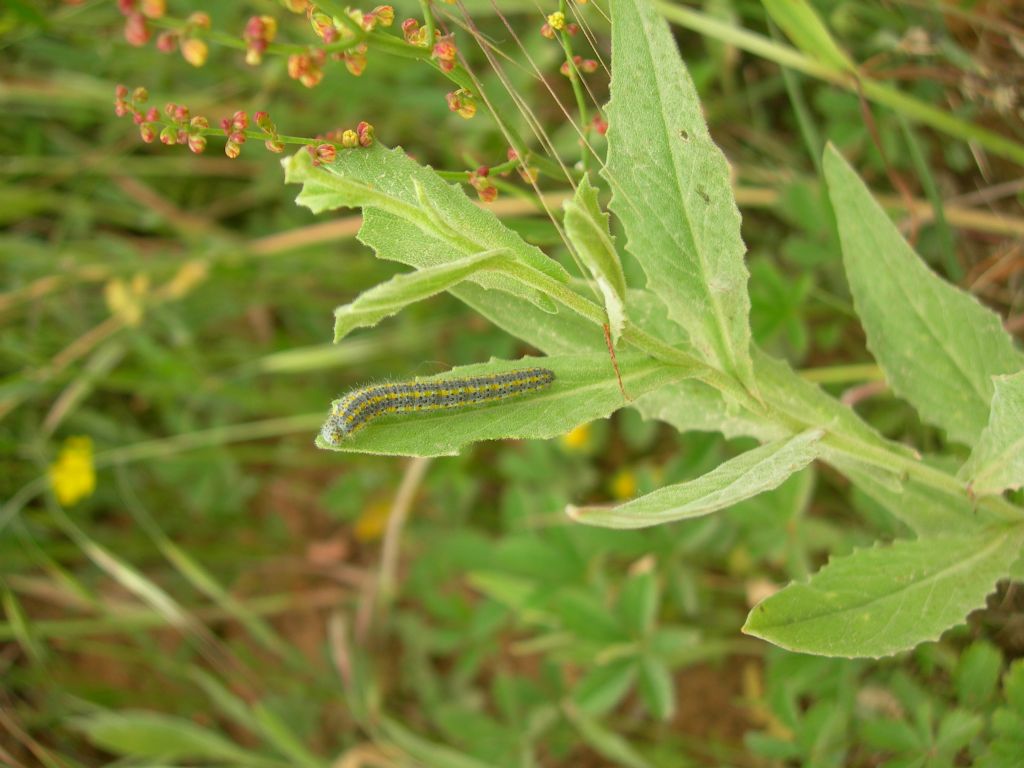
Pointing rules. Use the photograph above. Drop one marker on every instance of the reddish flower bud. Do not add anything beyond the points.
(483, 171)
(385, 15)
(196, 143)
(168, 135)
(199, 123)
(600, 124)
(237, 137)
(547, 31)
(136, 30)
(274, 145)
(232, 150)
(355, 62)
(121, 92)
(444, 49)
(410, 30)
(126, 6)
(262, 119)
(120, 107)
(152, 115)
(148, 132)
(240, 120)
(199, 20)
(167, 41)
(589, 66)
(194, 51)
(462, 103)
(325, 153)
(154, 9)
(364, 133)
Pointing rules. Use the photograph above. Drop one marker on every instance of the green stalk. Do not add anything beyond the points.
(909, 106)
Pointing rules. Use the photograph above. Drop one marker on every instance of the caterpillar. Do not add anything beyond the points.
(361, 406)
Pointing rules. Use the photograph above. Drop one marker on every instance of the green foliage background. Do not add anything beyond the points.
(224, 596)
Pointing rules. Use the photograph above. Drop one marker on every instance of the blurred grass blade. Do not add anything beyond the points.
(604, 741)
(887, 599)
(657, 687)
(912, 108)
(805, 28)
(672, 192)
(939, 347)
(997, 461)
(427, 752)
(19, 627)
(747, 475)
(138, 734)
(281, 737)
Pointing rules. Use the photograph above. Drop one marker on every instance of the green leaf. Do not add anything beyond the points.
(740, 478)
(672, 192)
(586, 226)
(604, 741)
(603, 687)
(883, 600)
(585, 389)
(657, 687)
(411, 215)
(391, 297)
(638, 603)
(956, 731)
(153, 735)
(805, 28)
(427, 752)
(997, 461)
(977, 674)
(938, 346)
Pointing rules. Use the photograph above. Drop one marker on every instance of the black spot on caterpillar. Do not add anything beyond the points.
(361, 406)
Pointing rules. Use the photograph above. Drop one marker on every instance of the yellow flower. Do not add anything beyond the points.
(73, 475)
(624, 485)
(372, 522)
(557, 20)
(577, 438)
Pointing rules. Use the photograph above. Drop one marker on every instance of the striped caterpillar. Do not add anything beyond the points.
(361, 406)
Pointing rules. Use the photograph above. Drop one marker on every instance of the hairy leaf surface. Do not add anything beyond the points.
(740, 478)
(445, 224)
(938, 346)
(887, 599)
(997, 462)
(671, 190)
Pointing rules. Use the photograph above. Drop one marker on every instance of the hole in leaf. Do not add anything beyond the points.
(684, 134)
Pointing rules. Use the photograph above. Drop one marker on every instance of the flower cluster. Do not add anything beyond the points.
(462, 103)
(273, 142)
(177, 126)
(137, 14)
(326, 149)
(259, 33)
(234, 128)
(527, 173)
(445, 52)
(556, 23)
(188, 39)
(481, 182)
(587, 66)
(307, 68)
